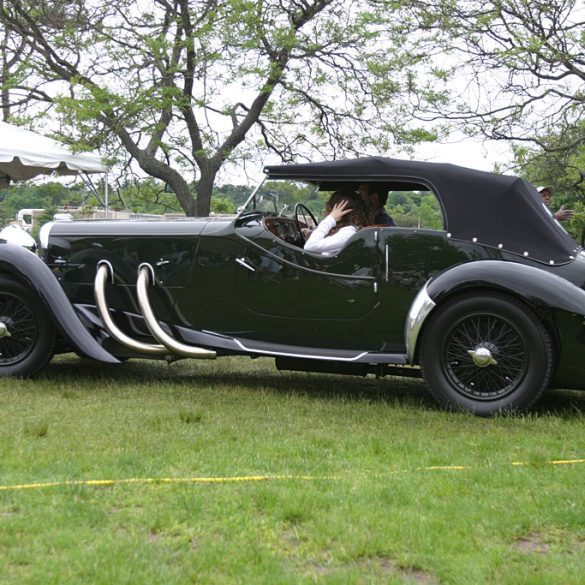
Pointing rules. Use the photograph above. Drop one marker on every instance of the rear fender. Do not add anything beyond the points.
(539, 288)
(32, 270)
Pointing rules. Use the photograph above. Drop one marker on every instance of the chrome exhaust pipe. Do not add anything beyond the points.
(105, 271)
(145, 273)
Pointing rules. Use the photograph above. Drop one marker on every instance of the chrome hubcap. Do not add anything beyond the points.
(4, 330)
(482, 357)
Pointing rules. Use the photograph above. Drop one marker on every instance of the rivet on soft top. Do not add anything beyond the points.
(449, 235)
(551, 261)
(500, 246)
(525, 253)
(474, 240)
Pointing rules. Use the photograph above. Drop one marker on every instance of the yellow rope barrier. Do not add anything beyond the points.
(242, 479)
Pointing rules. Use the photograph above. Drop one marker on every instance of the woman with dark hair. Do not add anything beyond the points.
(346, 215)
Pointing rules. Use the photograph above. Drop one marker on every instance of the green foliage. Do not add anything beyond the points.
(319, 78)
(409, 208)
(576, 225)
(222, 205)
(46, 195)
(415, 209)
(145, 196)
(512, 69)
(43, 219)
(561, 166)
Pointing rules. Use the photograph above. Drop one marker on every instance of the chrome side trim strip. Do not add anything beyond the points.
(105, 271)
(300, 355)
(285, 262)
(243, 263)
(418, 312)
(145, 273)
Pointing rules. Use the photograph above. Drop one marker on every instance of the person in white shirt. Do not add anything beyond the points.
(347, 214)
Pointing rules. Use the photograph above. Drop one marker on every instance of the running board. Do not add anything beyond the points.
(347, 368)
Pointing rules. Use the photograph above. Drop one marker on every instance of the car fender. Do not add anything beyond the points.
(30, 268)
(539, 288)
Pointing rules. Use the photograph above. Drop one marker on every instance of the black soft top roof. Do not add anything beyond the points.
(496, 210)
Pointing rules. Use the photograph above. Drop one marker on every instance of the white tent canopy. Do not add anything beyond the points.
(24, 154)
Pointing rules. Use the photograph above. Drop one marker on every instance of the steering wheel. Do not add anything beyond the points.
(304, 218)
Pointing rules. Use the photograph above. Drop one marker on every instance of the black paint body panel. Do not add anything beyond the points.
(235, 287)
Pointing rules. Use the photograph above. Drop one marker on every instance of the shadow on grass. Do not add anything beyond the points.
(561, 403)
(238, 373)
(261, 374)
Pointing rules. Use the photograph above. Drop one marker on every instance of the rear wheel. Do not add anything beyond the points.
(27, 334)
(486, 353)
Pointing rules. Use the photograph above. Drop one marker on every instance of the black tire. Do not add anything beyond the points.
(27, 331)
(512, 368)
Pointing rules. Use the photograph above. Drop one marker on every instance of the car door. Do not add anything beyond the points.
(310, 300)
(411, 256)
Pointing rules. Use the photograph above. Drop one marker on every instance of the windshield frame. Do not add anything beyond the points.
(251, 199)
(253, 203)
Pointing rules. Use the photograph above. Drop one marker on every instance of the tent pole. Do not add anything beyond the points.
(106, 195)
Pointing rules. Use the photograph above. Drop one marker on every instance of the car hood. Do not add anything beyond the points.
(189, 226)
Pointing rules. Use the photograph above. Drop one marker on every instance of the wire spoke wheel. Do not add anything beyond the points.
(20, 329)
(499, 339)
(485, 353)
(27, 334)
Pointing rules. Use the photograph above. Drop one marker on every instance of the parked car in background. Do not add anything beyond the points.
(489, 309)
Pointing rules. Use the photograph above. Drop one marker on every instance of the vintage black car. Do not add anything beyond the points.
(490, 308)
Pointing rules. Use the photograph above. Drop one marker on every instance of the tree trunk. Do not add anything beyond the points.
(5, 95)
(205, 190)
(155, 168)
(174, 180)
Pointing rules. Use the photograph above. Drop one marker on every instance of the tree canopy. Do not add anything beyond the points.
(517, 68)
(186, 85)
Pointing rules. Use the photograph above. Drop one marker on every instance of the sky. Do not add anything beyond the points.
(467, 152)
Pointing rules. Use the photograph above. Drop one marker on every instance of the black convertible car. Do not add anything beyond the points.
(489, 308)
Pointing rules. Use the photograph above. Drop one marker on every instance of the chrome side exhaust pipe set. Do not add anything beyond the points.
(167, 344)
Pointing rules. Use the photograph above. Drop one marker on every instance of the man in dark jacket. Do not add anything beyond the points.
(375, 195)
(546, 193)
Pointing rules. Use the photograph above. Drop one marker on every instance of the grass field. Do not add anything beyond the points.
(232, 472)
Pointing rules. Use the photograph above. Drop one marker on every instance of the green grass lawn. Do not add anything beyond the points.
(340, 480)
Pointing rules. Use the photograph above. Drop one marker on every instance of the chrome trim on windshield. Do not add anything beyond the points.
(146, 273)
(105, 271)
(418, 312)
(252, 197)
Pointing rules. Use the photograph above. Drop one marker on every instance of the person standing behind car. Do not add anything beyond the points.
(346, 215)
(375, 196)
(562, 214)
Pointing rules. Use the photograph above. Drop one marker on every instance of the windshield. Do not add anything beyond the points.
(278, 197)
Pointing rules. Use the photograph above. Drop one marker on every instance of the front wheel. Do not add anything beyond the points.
(27, 334)
(486, 353)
